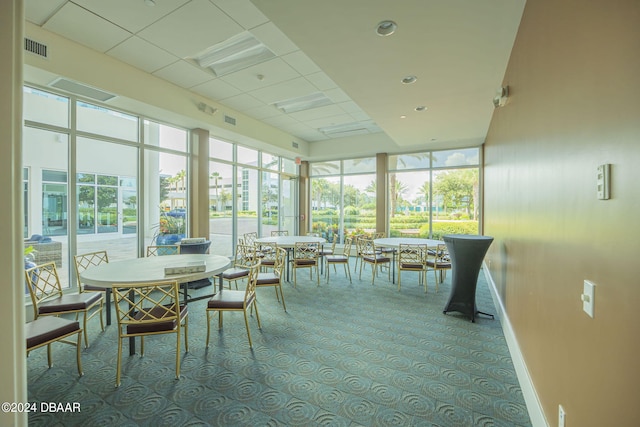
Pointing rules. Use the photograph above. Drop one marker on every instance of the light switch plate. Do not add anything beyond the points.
(588, 296)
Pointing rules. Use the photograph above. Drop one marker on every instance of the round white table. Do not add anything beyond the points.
(289, 242)
(140, 270)
(395, 242)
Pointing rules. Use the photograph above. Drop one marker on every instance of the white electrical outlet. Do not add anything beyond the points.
(562, 416)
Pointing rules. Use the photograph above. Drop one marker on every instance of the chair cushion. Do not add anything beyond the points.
(43, 330)
(69, 302)
(337, 258)
(439, 265)
(228, 299)
(267, 279)
(377, 258)
(304, 262)
(157, 326)
(235, 273)
(412, 265)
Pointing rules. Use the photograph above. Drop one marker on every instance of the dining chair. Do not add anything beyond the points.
(151, 308)
(245, 255)
(234, 300)
(274, 278)
(373, 257)
(305, 255)
(87, 260)
(276, 233)
(49, 300)
(342, 258)
(439, 261)
(267, 254)
(413, 257)
(161, 250)
(250, 238)
(45, 331)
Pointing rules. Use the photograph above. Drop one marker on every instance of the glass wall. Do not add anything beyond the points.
(434, 193)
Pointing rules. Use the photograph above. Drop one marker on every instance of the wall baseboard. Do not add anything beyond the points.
(526, 384)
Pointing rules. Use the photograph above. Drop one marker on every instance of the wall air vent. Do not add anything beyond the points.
(36, 48)
(81, 89)
(230, 120)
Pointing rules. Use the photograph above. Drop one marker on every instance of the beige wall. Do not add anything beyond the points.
(574, 78)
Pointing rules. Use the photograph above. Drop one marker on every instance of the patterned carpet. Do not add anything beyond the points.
(343, 355)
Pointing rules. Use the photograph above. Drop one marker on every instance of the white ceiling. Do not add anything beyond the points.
(458, 49)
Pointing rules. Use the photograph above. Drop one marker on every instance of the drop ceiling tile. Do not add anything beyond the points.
(243, 12)
(274, 39)
(350, 107)
(38, 11)
(320, 112)
(76, 23)
(360, 116)
(301, 63)
(128, 14)
(184, 74)
(330, 121)
(285, 90)
(191, 29)
(142, 54)
(273, 71)
(242, 102)
(321, 81)
(280, 121)
(216, 89)
(263, 112)
(337, 95)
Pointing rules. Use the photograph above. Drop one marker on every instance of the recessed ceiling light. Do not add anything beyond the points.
(403, 117)
(408, 80)
(386, 28)
(420, 108)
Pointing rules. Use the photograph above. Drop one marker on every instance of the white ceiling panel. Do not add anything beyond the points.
(216, 89)
(130, 15)
(38, 11)
(301, 63)
(76, 23)
(242, 102)
(286, 90)
(314, 113)
(263, 112)
(191, 29)
(274, 39)
(243, 12)
(142, 54)
(261, 75)
(184, 74)
(321, 81)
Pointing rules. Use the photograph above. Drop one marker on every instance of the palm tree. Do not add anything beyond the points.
(215, 176)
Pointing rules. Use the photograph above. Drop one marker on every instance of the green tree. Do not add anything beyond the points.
(458, 189)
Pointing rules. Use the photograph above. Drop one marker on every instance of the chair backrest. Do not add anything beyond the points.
(148, 304)
(161, 250)
(333, 244)
(245, 256)
(347, 246)
(87, 260)
(412, 255)
(267, 252)
(379, 235)
(275, 233)
(367, 247)
(252, 279)
(306, 251)
(250, 238)
(441, 255)
(43, 283)
(280, 259)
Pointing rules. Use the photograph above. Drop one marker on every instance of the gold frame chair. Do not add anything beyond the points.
(277, 233)
(49, 300)
(150, 308)
(343, 258)
(305, 255)
(245, 255)
(41, 332)
(412, 257)
(92, 259)
(371, 256)
(275, 278)
(230, 300)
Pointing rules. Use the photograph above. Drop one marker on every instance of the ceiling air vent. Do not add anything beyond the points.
(81, 89)
(230, 120)
(36, 48)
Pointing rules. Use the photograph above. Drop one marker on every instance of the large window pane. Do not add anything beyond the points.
(289, 166)
(220, 149)
(45, 107)
(106, 198)
(103, 121)
(455, 202)
(365, 165)
(45, 155)
(288, 204)
(409, 204)
(359, 194)
(325, 168)
(221, 195)
(247, 200)
(269, 200)
(247, 156)
(453, 158)
(269, 161)
(159, 135)
(326, 205)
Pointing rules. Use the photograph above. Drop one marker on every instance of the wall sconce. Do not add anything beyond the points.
(207, 109)
(500, 100)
